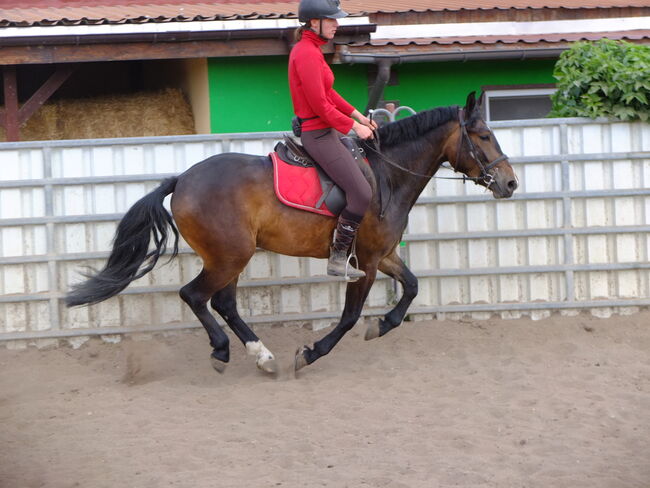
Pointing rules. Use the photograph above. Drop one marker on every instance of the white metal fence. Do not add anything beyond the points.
(573, 237)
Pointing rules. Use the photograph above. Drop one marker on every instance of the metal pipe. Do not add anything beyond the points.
(121, 330)
(424, 237)
(97, 180)
(271, 135)
(398, 58)
(272, 319)
(428, 273)
(383, 75)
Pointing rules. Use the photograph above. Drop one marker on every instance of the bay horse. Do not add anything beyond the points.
(225, 208)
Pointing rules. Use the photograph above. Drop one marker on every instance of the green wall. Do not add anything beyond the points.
(251, 94)
(426, 85)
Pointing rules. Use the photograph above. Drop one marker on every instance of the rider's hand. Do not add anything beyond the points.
(371, 124)
(363, 131)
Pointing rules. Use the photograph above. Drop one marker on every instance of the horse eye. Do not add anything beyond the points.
(485, 138)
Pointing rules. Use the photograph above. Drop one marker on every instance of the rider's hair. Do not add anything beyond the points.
(297, 34)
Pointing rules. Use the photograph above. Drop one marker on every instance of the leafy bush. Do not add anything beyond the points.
(604, 78)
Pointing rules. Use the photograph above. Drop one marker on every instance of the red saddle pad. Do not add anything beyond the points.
(297, 186)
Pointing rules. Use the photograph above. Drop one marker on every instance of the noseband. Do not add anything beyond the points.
(485, 177)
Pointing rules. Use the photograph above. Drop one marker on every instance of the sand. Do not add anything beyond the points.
(561, 402)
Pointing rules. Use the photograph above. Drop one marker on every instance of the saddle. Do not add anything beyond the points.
(300, 182)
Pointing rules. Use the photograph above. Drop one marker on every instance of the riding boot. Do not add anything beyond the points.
(338, 264)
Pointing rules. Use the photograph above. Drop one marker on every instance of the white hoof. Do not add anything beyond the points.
(264, 358)
(269, 366)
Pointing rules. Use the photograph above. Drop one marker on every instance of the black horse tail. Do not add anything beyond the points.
(145, 218)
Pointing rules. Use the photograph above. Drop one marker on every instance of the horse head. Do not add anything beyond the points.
(476, 152)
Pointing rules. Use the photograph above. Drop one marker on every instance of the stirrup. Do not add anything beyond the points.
(348, 262)
(348, 265)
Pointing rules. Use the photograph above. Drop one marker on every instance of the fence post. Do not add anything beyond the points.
(567, 215)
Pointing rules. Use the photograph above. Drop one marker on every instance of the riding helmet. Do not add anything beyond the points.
(320, 9)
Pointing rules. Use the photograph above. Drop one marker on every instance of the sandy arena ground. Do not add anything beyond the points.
(562, 402)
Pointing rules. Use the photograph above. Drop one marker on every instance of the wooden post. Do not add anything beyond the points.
(12, 117)
(11, 104)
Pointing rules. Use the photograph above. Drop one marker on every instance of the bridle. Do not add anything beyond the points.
(485, 177)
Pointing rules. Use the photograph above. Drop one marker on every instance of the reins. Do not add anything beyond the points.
(485, 177)
(378, 152)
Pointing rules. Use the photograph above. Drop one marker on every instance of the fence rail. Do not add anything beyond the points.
(574, 236)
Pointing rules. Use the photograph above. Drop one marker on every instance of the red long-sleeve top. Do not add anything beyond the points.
(311, 83)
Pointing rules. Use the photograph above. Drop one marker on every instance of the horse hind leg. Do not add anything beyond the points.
(224, 302)
(196, 294)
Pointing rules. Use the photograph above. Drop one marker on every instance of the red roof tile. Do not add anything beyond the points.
(48, 12)
(631, 35)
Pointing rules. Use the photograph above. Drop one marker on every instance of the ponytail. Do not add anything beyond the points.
(297, 34)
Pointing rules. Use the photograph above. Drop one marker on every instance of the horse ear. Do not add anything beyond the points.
(481, 100)
(470, 103)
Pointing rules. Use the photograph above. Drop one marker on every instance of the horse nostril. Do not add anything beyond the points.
(512, 185)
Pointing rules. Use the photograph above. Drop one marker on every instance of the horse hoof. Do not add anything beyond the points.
(270, 366)
(219, 366)
(372, 332)
(300, 361)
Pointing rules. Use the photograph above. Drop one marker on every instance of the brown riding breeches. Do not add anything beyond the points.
(327, 149)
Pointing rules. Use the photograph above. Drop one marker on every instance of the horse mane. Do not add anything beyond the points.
(413, 127)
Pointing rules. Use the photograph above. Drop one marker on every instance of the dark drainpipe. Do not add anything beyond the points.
(383, 75)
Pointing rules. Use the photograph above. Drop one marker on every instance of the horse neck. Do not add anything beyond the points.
(407, 187)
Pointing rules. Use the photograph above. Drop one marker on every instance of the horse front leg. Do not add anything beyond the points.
(225, 303)
(394, 267)
(355, 295)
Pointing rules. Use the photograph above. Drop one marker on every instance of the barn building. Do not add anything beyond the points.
(228, 60)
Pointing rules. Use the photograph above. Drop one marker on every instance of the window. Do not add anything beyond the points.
(513, 103)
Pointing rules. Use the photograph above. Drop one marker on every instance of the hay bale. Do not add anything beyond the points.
(158, 113)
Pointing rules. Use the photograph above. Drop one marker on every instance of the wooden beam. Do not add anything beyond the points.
(45, 91)
(12, 55)
(10, 118)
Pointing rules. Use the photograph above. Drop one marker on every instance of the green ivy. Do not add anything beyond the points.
(603, 79)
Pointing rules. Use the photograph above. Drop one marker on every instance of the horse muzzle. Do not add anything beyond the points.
(504, 184)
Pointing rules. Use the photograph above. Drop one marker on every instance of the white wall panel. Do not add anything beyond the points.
(288, 266)
(509, 255)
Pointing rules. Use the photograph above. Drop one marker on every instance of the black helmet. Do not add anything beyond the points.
(320, 9)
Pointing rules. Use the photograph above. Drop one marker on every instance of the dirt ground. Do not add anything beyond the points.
(562, 402)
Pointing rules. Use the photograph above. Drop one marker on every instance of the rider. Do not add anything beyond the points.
(325, 116)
